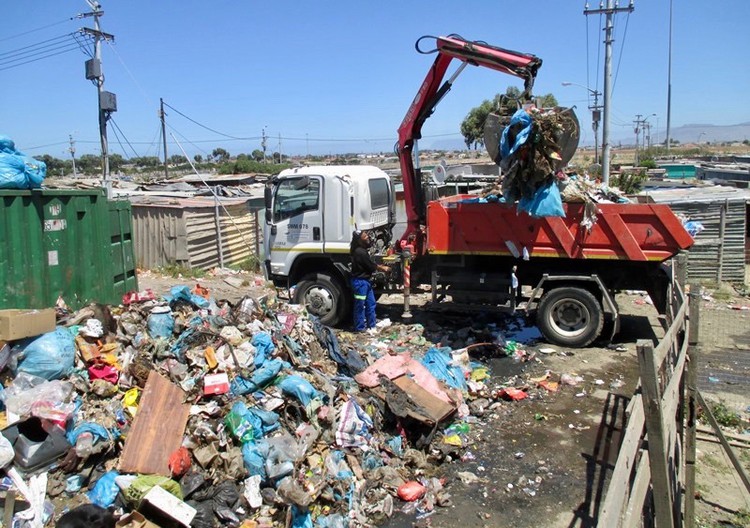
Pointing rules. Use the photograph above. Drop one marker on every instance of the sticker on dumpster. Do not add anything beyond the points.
(52, 258)
(55, 225)
(55, 209)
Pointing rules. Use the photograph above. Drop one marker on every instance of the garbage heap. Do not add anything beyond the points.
(196, 412)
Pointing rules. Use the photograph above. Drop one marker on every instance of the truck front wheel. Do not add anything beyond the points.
(570, 316)
(324, 297)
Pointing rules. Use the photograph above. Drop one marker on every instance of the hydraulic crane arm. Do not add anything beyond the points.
(429, 95)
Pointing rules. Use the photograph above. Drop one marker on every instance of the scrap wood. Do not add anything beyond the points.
(406, 398)
(157, 429)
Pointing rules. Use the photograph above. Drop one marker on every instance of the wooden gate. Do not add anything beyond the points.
(656, 461)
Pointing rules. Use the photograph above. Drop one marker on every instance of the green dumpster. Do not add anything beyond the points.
(69, 244)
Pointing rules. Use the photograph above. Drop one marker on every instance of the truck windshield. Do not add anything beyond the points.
(295, 196)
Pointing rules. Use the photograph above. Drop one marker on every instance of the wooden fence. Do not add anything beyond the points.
(656, 461)
(653, 481)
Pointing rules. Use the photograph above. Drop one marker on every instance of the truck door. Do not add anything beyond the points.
(297, 221)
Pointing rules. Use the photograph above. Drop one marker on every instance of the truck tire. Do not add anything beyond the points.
(570, 316)
(324, 296)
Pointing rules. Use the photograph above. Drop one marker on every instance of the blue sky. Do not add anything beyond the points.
(342, 74)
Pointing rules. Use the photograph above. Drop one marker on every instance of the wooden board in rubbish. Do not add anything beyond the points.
(437, 410)
(157, 428)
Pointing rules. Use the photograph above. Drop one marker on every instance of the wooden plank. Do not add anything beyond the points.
(437, 410)
(614, 501)
(634, 511)
(672, 396)
(157, 428)
(666, 342)
(691, 409)
(657, 449)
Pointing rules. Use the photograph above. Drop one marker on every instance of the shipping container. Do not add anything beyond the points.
(64, 243)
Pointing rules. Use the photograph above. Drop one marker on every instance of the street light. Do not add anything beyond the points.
(595, 116)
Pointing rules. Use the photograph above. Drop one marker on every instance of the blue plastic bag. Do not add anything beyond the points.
(97, 431)
(18, 171)
(50, 356)
(161, 325)
(261, 377)
(437, 361)
(183, 293)
(300, 388)
(105, 490)
(254, 458)
(519, 118)
(545, 202)
(263, 347)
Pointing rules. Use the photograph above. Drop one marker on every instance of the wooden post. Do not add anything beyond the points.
(722, 236)
(691, 404)
(217, 221)
(681, 268)
(657, 449)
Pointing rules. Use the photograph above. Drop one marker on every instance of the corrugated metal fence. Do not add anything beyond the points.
(195, 233)
(719, 251)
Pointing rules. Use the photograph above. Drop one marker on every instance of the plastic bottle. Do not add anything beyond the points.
(84, 444)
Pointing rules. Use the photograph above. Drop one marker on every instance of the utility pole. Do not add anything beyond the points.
(163, 136)
(281, 157)
(637, 131)
(72, 150)
(263, 143)
(107, 102)
(610, 12)
(669, 78)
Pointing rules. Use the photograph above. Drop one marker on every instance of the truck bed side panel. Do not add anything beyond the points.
(636, 232)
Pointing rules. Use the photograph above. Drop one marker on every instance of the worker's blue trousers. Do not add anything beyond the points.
(364, 304)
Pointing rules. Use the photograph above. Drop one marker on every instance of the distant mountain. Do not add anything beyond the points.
(691, 133)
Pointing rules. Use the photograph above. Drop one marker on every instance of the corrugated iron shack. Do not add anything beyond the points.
(198, 232)
(719, 253)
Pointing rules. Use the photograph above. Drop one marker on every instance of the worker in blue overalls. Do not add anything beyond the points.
(362, 269)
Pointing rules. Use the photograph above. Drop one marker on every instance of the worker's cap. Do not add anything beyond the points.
(356, 232)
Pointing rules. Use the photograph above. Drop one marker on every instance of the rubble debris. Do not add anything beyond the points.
(189, 410)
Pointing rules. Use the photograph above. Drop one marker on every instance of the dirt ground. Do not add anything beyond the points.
(546, 460)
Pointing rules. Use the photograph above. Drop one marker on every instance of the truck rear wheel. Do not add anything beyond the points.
(324, 297)
(570, 316)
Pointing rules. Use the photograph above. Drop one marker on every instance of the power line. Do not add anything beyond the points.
(37, 29)
(39, 45)
(124, 136)
(39, 58)
(622, 48)
(204, 126)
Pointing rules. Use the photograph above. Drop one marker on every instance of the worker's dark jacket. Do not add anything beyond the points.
(362, 265)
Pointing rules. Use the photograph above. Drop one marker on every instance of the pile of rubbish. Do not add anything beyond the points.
(532, 151)
(184, 410)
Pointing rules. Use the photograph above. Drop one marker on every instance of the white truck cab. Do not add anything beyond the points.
(311, 213)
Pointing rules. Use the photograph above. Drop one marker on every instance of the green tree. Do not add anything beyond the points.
(89, 164)
(505, 105)
(198, 158)
(220, 155)
(55, 166)
(257, 155)
(177, 159)
(116, 162)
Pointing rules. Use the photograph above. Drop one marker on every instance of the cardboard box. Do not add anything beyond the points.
(215, 384)
(161, 506)
(135, 520)
(17, 324)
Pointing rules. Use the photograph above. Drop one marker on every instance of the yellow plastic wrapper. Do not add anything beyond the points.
(453, 440)
(478, 374)
(130, 401)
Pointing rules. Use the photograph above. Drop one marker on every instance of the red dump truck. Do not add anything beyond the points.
(471, 254)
